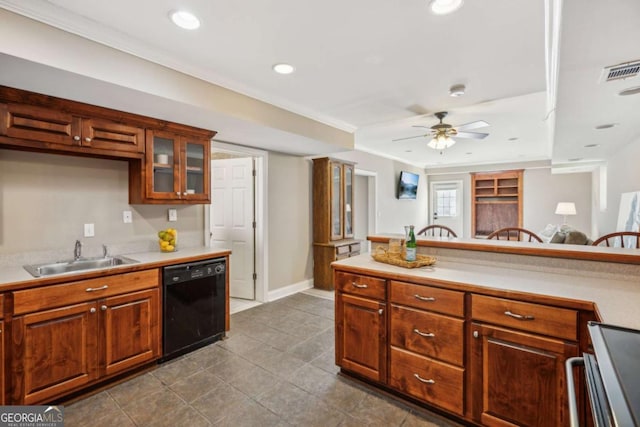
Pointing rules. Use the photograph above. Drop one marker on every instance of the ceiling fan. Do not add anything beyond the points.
(441, 134)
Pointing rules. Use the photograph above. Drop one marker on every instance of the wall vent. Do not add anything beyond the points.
(620, 71)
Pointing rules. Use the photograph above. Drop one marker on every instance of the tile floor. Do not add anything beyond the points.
(276, 368)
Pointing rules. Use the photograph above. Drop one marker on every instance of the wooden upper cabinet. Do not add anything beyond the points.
(496, 201)
(48, 128)
(176, 169)
(333, 189)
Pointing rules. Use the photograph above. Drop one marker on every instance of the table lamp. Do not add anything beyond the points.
(564, 209)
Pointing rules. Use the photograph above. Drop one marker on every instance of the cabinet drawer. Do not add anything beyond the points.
(354, 247)
(340, 250)
(83, 290)
(357, 284)
(427, 298)
(428, 334)
(428, 380)
(542, 319)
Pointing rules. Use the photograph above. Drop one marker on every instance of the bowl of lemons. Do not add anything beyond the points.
(168, 240)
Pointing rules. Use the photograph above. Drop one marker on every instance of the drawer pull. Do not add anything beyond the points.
(356, 285)
(422, 380)
(101, 288)
(424, 334)
(421, 298)
(380, 311)
(518, 316)
(93, 310)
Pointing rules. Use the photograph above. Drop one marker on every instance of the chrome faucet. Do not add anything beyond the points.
(77, 250)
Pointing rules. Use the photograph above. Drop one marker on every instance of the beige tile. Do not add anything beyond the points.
(192, 387)
(152, 408)
(135, 388)
(174, 370)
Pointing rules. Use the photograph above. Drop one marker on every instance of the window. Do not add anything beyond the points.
(446, 203)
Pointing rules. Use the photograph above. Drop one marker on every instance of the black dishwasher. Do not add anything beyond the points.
(193, 306)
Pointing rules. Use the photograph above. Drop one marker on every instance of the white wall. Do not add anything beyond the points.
(393, 214)
(623, 176)
(290, 226)
(542, 191)
(45, 199)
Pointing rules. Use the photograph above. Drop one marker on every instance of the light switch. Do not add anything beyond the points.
(89, 230)
(173, 215)
(126, 217)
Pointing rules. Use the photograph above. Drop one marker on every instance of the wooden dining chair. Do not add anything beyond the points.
(514, 233)
(437, 230)
(609, 239)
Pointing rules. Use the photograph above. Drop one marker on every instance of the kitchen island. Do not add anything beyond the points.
(484, 333)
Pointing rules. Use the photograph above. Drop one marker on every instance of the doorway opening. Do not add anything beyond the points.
(446, 205)
(236, 220)
(365, 207)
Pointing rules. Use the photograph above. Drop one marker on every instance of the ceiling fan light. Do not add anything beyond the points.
(444, 7)
(440, 142)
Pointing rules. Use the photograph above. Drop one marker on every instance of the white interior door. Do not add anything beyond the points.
(232, 220)
(446, 205)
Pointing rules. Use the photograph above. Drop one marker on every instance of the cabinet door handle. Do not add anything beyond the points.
(422, 380)
(103, 308)
(101, 288)
(519, 316)
(87, 139)
(424, 334)
(380, 311)
(421, 298)
(76, 138)
(93, 310)
(476, 334)
(356, 285)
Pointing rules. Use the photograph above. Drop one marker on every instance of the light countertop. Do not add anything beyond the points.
(617, 301)
(15, 276)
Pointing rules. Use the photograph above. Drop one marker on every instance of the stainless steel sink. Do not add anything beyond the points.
(82, 264)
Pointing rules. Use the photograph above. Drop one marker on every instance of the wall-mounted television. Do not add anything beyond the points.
(408, 185)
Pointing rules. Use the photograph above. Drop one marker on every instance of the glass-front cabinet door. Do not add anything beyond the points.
(163, 162)
(336, 201)
(177, 167)
(348, 201)
(196, 172)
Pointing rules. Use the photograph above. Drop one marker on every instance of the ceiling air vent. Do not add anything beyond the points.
(620, 71)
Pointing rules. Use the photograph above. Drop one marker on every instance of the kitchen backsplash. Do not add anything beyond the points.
(46, 199)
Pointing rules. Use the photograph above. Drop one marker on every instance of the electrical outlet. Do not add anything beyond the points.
(126, 217)
(173, 215)
(89, 230)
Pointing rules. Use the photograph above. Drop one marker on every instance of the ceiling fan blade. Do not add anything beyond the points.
(473, 125)
(410, 137)
(471, 135)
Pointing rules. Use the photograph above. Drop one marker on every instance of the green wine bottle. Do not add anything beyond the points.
(411, 245)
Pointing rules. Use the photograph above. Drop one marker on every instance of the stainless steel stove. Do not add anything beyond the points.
(612, 375)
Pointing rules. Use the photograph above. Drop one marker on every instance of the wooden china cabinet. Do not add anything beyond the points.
(496, 201)
(333, 190)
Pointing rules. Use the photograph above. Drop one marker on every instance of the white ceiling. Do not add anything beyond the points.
(377, 68)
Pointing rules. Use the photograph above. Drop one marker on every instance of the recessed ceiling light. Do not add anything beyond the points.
(606, 126)
(456, 90)
(591, 145)
(630, 91)
(283, 68)
(443, 7)
(184, 19)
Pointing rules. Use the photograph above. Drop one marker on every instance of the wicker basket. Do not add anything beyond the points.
(380, 254)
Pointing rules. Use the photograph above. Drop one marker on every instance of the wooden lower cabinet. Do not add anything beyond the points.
(361, 338)
(483, 359)
(517, 379)
(59, 350)
(54, 351)
(130, 330)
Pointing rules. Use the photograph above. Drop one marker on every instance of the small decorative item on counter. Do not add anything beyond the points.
(168, 240)
(395, 246)
(411, 245)
(380, 254)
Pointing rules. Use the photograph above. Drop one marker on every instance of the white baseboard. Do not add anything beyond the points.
(285, 291)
